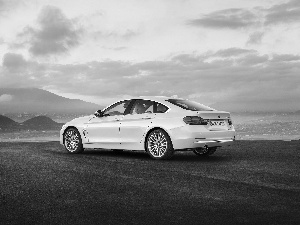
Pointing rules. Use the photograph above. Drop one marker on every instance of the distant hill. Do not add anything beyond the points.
(8, 124)
(41, 123)
(36, 123)
(33, 100)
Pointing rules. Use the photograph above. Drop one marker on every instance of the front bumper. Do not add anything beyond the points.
(61, 134)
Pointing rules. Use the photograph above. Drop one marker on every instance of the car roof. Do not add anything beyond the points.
(153, 98)
(160, 99)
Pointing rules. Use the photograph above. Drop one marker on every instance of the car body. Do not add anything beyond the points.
(160, 125)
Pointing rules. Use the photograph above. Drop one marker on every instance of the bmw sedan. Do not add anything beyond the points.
(158, 125)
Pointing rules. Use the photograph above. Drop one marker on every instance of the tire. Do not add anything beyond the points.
(72, 141)
(204, 152)
(159, 145)
(117, 150)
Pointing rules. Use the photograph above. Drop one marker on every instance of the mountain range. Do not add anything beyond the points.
(36, 123)
(33, 100)
(7, 123)
(14, 101)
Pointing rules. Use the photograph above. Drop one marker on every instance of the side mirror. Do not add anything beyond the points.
(98, 113)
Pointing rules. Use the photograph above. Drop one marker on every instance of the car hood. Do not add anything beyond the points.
(81, 120)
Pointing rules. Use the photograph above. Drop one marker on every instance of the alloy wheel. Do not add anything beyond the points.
(204, 151)
(157, 144)
(72, 140)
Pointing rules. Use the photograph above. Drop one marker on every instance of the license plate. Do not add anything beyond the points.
(219, 123)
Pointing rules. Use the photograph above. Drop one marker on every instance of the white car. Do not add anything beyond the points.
(158, 125)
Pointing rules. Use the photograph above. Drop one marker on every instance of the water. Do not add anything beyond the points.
(267, 126)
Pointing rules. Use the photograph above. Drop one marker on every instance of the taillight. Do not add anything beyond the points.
(229, 121)
(195, 120)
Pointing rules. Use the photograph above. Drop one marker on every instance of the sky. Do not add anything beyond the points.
(241, 53)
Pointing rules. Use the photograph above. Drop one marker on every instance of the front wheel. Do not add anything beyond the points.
(72, 141)
(159, 145)
(204, 151)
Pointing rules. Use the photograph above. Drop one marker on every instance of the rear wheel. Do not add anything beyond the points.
(205, 151)
(72, 141)
(117, 150)
(159, 145)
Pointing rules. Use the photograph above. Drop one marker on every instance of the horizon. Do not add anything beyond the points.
(36, 112)
(238, 54)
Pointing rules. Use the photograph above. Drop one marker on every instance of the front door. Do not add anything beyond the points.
(104, 131)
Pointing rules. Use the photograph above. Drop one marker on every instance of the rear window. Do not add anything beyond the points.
(160, 108)
(189, 105)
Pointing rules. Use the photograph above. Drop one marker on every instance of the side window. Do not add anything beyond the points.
(143, 106)
(160, 108)
(117, 109)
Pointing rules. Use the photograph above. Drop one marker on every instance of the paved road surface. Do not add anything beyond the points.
(253, 182)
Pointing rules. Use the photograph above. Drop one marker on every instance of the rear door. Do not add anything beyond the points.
(136, 123)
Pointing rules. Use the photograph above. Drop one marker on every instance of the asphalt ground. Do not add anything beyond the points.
(252, 182)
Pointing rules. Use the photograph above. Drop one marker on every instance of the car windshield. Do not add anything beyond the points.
(189, 105)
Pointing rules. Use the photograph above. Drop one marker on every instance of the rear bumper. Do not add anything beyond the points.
(196, 143)
(193, 137)
(214, 143)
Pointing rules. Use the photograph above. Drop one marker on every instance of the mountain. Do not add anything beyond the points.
(36, 123)
(33, 100)
(39, 120)
(8, 124)
(40, 123)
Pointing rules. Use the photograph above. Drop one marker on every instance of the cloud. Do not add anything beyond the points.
(235, 76)
(119, 48)
(7, 6)
(14, 62)
(227, 18)
(123, 34)
(233, 52)
(237, 18)
(188, 58)
(2, 41)
(5, 98)
(255, 38)
(288, 12)
(285, 58)
(55, 34)
(253, 60)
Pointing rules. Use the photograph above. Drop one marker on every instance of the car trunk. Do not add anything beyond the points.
(217, 120)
